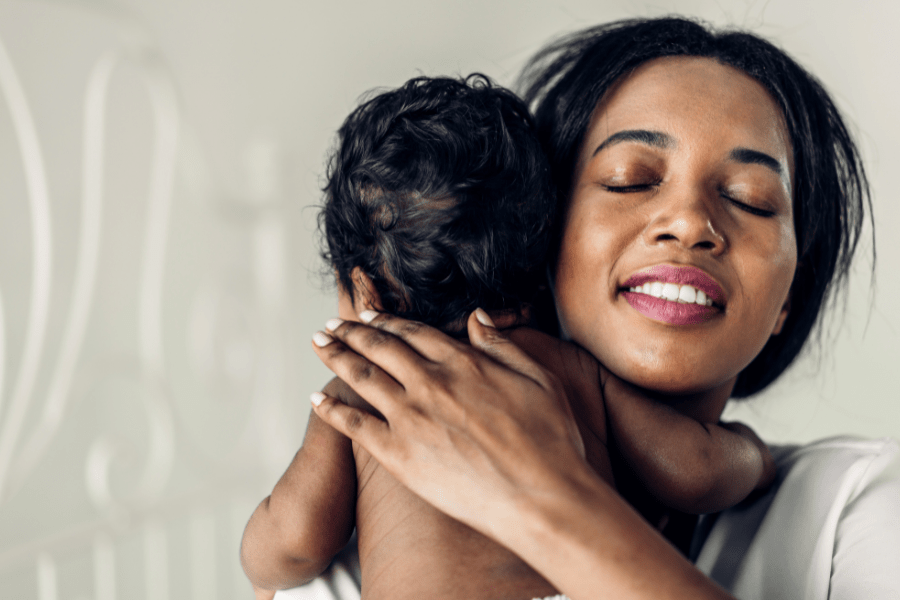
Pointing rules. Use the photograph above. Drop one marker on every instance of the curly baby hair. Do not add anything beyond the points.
(440, 193)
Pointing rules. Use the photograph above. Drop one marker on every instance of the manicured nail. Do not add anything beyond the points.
(332, 324)
(483, 318)
(322, 339)
(366, 316)
(316, 398)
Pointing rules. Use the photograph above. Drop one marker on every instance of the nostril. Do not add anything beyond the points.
(707, 245)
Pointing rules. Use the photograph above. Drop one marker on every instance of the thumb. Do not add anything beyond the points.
(496, 344)
(485, 336)
(369, 431)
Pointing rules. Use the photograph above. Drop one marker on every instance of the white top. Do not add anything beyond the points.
(827, 529)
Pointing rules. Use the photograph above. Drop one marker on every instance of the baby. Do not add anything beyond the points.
(438, 202)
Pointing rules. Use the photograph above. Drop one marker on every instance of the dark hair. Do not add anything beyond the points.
(565, 81)
(439, 191)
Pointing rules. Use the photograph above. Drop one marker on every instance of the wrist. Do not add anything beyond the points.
(583, 537)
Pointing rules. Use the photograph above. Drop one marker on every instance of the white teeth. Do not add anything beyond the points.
(687, 294)
(701, 297)
(683, 294)
(670, 292)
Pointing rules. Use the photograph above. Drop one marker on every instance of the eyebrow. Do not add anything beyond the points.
(659, 139)
(650, 138)
(755, 157)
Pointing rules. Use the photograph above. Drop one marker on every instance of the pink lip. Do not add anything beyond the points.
(674, 313)
(691, 276)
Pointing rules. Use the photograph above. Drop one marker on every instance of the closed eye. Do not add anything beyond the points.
(753, 210)
(629, 189)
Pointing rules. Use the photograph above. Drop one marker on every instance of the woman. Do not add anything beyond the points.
(680, 156)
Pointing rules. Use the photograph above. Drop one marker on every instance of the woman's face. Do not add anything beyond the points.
(678, 247)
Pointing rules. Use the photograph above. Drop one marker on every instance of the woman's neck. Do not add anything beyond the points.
(706, 406)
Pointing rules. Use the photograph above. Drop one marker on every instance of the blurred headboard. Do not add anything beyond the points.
(142, 348)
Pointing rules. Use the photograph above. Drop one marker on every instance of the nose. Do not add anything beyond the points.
(686, 219)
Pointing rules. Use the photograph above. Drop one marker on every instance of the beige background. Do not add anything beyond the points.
(131, 466)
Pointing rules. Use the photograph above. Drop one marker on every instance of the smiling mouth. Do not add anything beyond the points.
(682, 294)
(683, 284)
(676, 295)
(676, 311)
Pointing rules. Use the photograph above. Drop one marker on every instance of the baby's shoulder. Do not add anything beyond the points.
(582, 377)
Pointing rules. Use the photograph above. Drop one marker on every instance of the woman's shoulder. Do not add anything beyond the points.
(835, 452)
(790, 541)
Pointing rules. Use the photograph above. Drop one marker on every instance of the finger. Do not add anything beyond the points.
(429, 342)
(366, 378)
(368, 430)
(505, 319)
(484, 335)
(395, 343)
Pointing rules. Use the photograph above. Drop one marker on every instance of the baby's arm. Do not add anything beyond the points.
(690, 466)
(579, 372)
(295, 532)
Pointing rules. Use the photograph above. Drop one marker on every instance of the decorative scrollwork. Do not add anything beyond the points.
(14, 469)
(42, 262)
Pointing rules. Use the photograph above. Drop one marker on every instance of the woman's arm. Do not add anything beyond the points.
(486, 435)
(295, 532)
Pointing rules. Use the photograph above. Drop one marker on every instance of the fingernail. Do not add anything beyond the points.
(366, 316)
(322, 339)
(483, 318)
(316, 398)
(332, 324)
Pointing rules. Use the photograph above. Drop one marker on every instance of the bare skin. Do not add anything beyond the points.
(408, 549)
(513, 472)
(402, 538)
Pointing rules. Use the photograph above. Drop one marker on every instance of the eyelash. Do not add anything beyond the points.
(759, 212)
(629, 189)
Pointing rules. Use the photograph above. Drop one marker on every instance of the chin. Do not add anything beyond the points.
(660, 382)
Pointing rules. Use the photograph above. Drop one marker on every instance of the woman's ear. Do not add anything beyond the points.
(786, 307)
(782, 316)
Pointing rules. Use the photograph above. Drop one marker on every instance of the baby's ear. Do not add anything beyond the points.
(365, 296)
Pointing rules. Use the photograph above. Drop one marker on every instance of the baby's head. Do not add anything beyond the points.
(439, 201)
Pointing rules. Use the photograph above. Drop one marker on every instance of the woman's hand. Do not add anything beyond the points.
(472, 429)
(487, 436)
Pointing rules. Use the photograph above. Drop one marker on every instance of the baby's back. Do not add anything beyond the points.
(410, 550)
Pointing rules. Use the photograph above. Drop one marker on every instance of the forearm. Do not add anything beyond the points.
(294, 533)
(591, 544)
